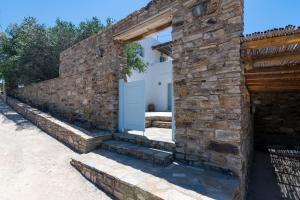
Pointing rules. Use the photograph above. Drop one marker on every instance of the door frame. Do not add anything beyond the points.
(123, 86)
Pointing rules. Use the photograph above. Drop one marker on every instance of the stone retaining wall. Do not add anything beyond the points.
(116, 187)
(77, 139)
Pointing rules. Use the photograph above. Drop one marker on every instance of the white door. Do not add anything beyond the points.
(132, 105)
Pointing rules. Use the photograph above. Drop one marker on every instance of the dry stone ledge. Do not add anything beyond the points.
(78, 139)
(128, 178)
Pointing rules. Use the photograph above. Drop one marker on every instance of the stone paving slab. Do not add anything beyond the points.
(155, 134)
(158, 114)
(138, 151)
(129, 178)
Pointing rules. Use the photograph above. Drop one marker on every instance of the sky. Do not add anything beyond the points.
(259, 14)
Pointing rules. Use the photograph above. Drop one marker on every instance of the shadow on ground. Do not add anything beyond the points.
(276, 174)
(206, 181)
(10, 115)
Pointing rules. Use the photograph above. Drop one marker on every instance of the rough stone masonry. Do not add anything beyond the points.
(213, 121)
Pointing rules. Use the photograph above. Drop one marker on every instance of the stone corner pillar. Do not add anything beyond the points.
(209, 86)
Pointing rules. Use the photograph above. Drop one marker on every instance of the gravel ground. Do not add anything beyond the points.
(35, 166)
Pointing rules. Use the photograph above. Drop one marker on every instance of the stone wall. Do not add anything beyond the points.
(277, 118)
(212, 112)
(87, 85)
(213, 121)
(89, 73)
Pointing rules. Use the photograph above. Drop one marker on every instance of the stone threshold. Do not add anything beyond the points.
(80, 140)
(129, 178)
(142, 140)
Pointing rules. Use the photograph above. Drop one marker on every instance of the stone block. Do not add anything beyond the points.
(224, 148)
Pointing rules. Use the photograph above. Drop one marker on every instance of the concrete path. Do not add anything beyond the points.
(35, 166)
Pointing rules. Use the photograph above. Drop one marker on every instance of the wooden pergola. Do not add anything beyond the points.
(272, 60)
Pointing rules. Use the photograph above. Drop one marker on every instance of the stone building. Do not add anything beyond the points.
(214, 122)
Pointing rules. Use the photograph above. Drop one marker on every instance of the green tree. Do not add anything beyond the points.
(29, 52)
(63, 35)
(25, 51)
(89, 27)
(134, 61)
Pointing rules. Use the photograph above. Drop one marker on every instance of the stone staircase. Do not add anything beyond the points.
(144, 141)
(126, 177)
(155, 156)
(159, 122)
(134, 167)
(160, 153)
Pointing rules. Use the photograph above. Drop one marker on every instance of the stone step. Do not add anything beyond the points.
(144, 141)
(161, 124)
(148, 123)
(159, 118)
(138, 151)
(125, 177)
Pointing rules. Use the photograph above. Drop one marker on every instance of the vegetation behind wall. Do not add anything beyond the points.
(29, 51)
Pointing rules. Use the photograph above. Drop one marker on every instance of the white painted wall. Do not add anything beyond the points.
(157, 76)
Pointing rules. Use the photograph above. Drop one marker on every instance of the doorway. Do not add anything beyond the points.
(276, 164)
(158, 106)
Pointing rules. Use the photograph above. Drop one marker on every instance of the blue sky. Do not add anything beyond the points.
(259, 14)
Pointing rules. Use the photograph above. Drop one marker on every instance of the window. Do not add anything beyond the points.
(163, 59)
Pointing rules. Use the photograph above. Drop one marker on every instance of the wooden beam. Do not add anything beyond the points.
(273, 73)
(272, 69)
(272, 42)
(277, 60)
(154, 24)
(274, 89)
(156, 30)
(273, 79)
(272, 76)
(274, 54)
(249, 65)
(274, 83)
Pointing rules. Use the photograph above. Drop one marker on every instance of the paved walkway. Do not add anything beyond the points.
(157, 134)
(34, 166)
